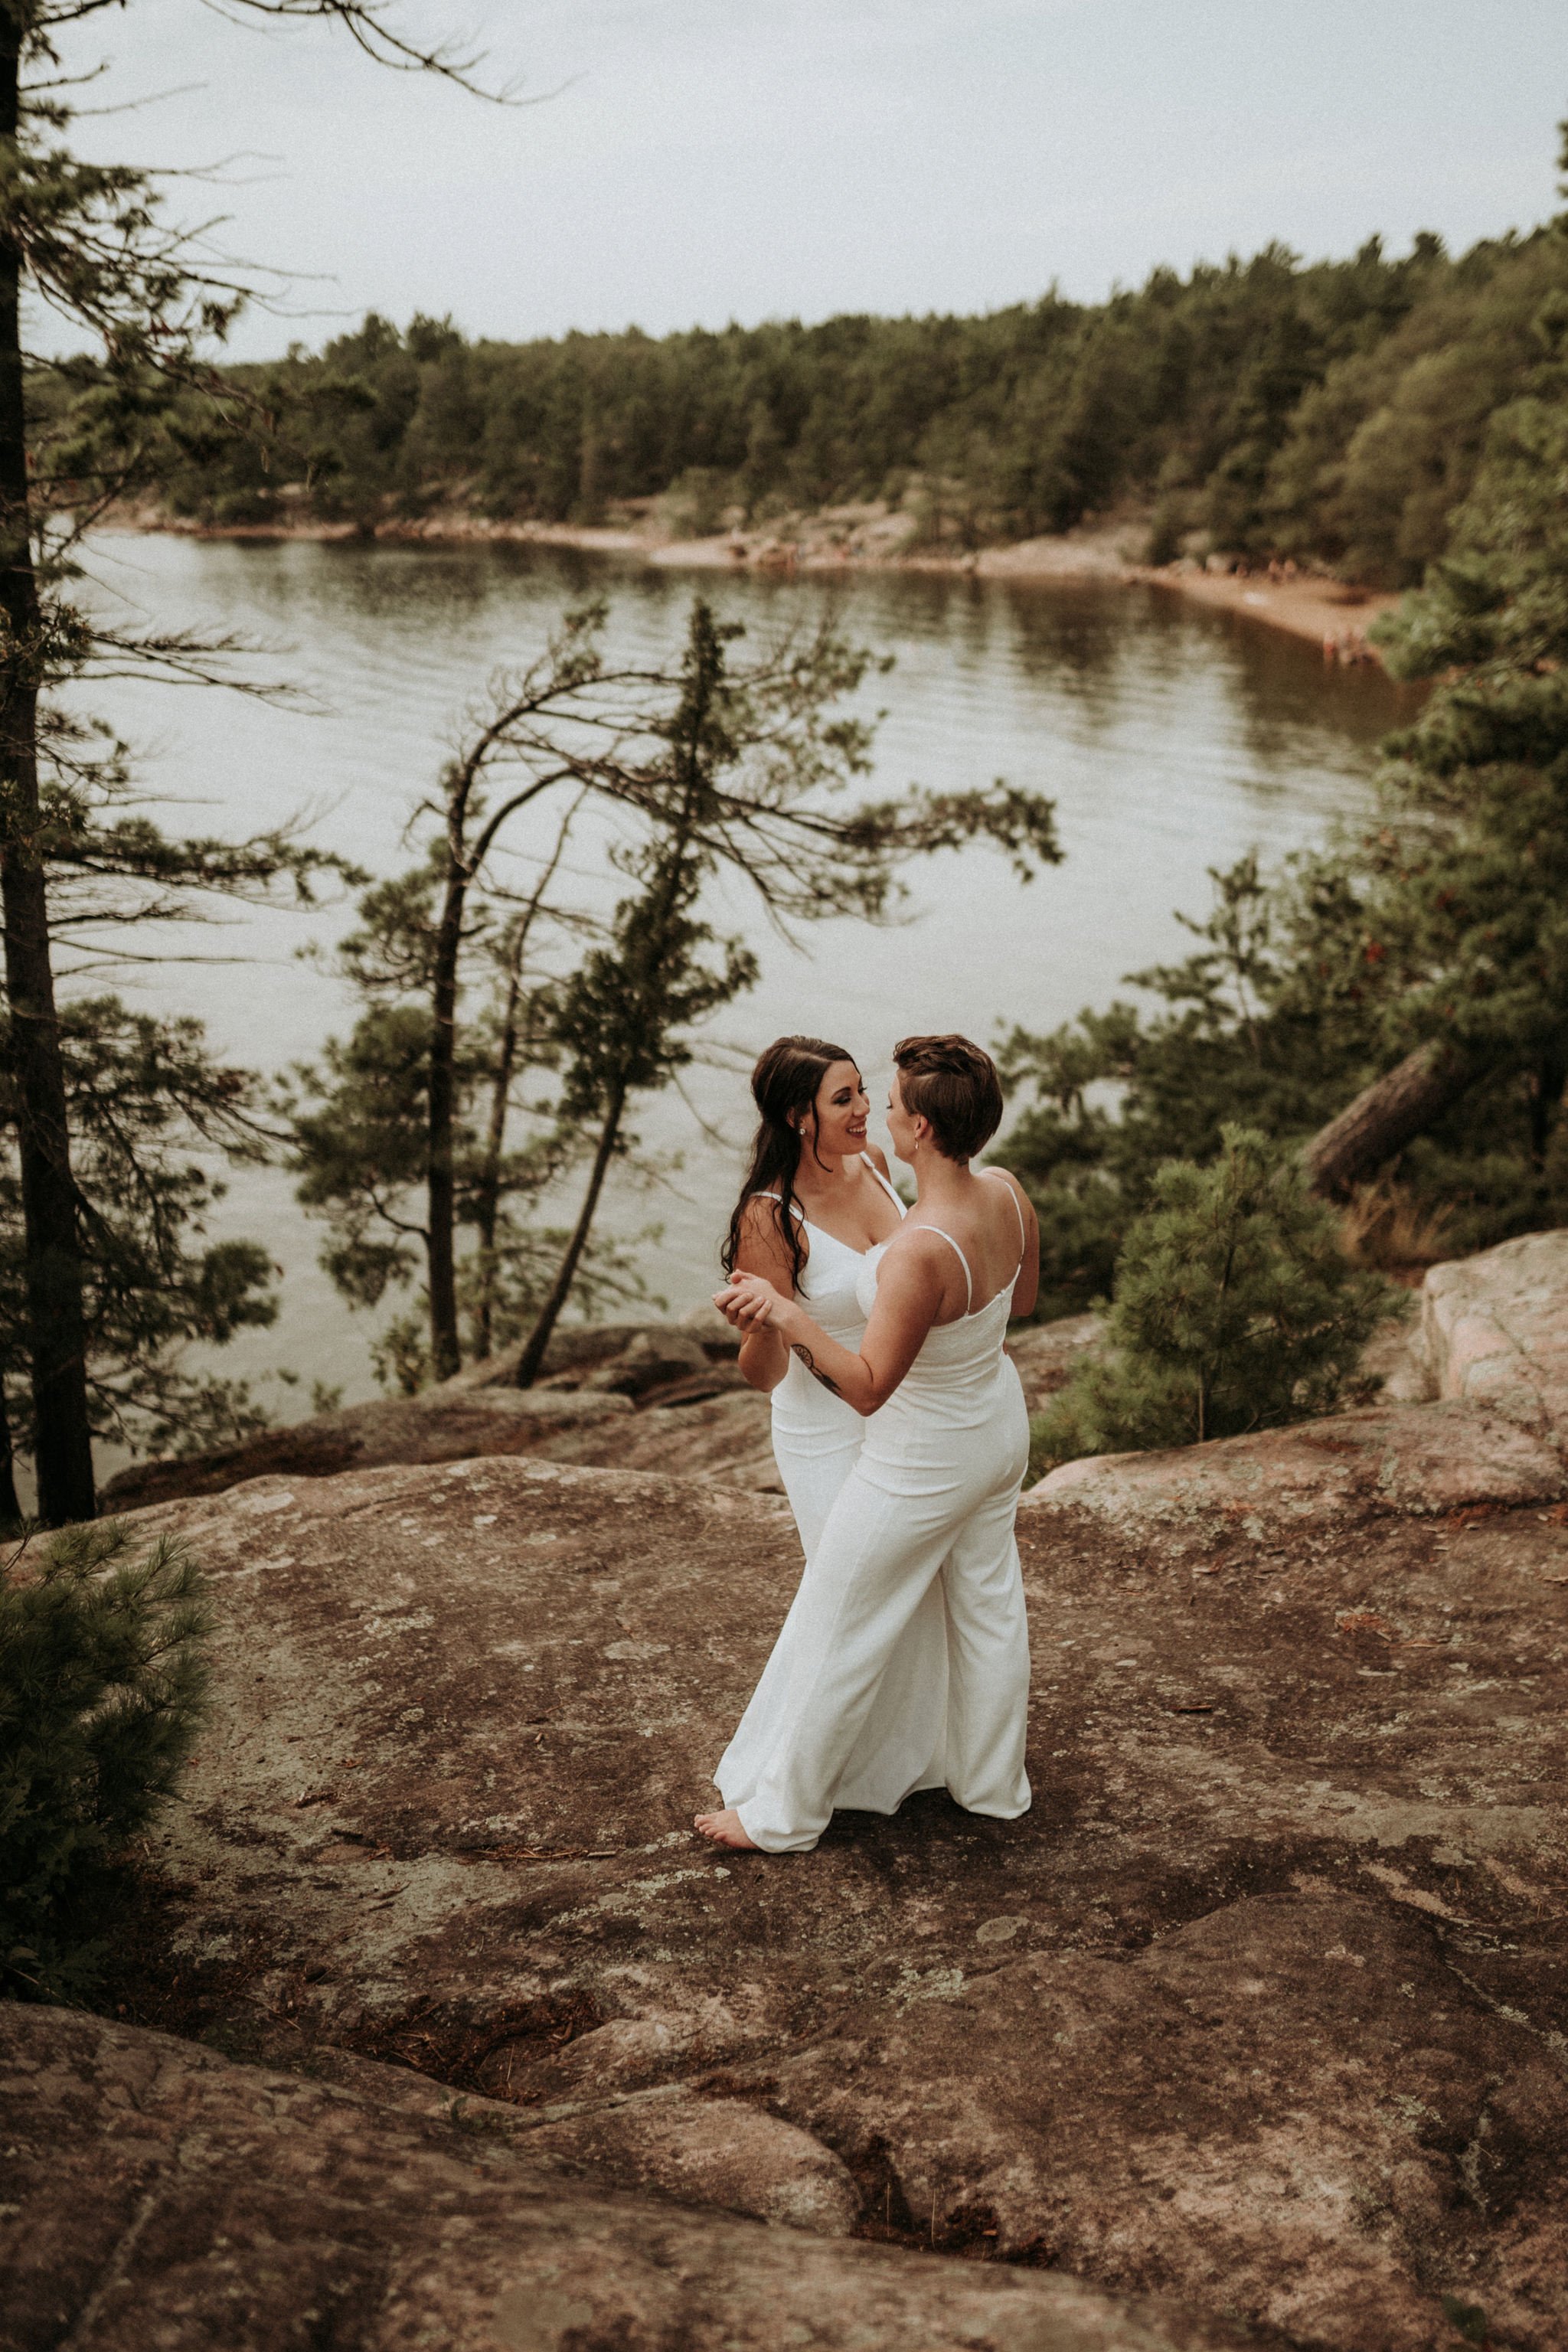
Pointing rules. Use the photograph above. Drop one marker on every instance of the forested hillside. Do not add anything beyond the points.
(1333, 411)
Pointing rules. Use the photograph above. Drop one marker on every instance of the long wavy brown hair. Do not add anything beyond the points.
(786, 1080)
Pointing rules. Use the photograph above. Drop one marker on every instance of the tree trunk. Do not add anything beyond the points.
(1546, 1084)
(1385, 1115)
(441, 1176)
(486, 1187)
(10, 1508)
(561, 1288)
(696, 705)
(57, 1330)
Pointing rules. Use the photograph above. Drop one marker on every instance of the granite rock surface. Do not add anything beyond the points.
(444, 1424)
(1263, 2008)
(1495, 1332)
(155, 2198)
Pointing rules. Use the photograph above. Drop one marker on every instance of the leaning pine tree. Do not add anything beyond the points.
(1236, 1309)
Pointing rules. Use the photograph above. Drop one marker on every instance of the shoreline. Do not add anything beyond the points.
(1332, 614)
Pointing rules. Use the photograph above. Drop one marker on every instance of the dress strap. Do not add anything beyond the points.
(963, 1262)
(1001, 1174)
(884, 1183)
(799, 1211)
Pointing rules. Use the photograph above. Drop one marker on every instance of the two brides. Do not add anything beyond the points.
(901, 1437)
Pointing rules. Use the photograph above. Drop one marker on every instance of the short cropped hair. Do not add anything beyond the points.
(954, 1086)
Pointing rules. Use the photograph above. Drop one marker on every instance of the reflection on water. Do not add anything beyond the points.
(1171, 738)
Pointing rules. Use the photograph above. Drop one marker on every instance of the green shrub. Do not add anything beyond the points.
(102, 1687)
(1236, 1309)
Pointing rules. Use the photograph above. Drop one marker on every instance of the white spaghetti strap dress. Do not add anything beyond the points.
(816, 1443)
(817, 1436)
(904, 1662)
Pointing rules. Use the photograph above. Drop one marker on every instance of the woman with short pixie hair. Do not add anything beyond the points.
(931, 1501)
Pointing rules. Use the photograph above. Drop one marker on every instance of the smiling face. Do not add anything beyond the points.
(836, 1123)
(905, 1127)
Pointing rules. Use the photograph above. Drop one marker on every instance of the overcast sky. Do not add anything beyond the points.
(709, 160)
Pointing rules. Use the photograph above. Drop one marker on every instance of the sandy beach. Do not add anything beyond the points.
(1332, 614)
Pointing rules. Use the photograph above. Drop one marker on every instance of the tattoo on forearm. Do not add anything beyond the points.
(809, 1360)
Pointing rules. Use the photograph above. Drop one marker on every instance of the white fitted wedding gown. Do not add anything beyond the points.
(904, 1661)
(817, 1436)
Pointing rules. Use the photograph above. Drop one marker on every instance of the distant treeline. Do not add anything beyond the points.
(1332, 412)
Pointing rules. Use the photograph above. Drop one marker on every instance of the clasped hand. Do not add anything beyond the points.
(749, 1302)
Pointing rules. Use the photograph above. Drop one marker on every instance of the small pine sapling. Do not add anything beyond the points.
(1236, 1309)
(103, 1682)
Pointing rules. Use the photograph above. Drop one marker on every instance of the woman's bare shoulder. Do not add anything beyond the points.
(1014, 1186)
(918, 1250)
(878, 1159)
(761, 1234)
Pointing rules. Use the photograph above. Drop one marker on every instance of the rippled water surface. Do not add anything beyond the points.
(1171, 738)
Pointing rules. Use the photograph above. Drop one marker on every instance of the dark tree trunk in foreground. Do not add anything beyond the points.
(1385, 1116)
(10, 1508)
(54, 1270)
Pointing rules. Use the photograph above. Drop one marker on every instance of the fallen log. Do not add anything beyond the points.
(1385, 1115)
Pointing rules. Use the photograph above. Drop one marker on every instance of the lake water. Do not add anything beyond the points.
(1172, 738)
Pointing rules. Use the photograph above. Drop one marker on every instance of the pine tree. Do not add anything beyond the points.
(1415, 971)
(715, 766)
(626, 1012)
(88, 241)
(152, 1111)
(103, 1682)
(1258, 1027)
(1467, 907)
(360, 1128)
(1236, 1309)
(700, 766)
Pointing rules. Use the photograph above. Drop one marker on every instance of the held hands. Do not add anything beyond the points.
(749, 1303)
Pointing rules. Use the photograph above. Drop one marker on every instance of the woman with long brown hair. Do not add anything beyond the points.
(815, 1198)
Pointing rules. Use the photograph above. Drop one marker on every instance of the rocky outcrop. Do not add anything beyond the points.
(1491, 1337)
(441, 1425)
(1495, 1333)
(1416, 1458)
(1048, 1353)
(628, 1396)
(155, 2198)
(1490, 1346)
(1260, 2008)
(595, 1376)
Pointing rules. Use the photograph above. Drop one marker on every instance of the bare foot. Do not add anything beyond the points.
(724, 1829)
